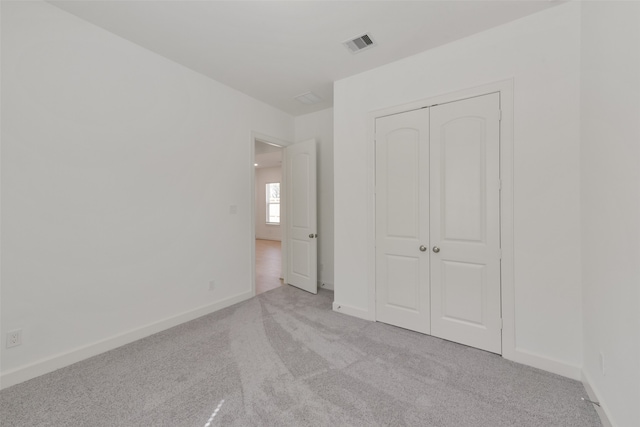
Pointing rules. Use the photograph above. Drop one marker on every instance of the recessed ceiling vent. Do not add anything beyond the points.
(360, 43)
(308, 98)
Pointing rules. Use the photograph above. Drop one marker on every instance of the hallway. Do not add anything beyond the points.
(268, 265)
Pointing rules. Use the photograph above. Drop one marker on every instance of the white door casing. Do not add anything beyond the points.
(437, 180)
(465, 222)
(402, 220)
(301, 215)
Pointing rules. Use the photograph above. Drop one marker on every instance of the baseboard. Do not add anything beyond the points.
(351, 311)
(50, 364)
(325, 285)
(602, 410)
(518, 355)
(273, 239)
(545, 363)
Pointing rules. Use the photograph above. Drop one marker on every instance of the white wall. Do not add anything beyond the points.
(319, 125)
(119, 168)
(263, 230)
(541, 54)
(610, 177)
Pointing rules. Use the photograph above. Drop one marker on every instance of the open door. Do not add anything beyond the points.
(301, 216)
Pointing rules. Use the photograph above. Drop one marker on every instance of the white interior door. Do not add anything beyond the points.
(402, 220)
(301, 215)
(465, 222)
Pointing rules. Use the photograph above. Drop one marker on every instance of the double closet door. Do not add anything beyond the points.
(438, 221)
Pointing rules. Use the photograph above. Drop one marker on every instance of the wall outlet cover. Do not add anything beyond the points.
(14, 338)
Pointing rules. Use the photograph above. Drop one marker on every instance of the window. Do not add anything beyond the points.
(273, 203)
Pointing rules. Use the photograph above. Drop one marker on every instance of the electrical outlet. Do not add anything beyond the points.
(14, 338)
(212, 285)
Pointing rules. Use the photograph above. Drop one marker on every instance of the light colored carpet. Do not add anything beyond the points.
(284, 358)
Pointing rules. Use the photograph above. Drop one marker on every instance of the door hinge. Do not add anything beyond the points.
(499, 115)
(501, 324)
(499, 253)
(500, 185)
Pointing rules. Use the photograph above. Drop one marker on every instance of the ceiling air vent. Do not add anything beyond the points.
(308, 98)
(360, 43)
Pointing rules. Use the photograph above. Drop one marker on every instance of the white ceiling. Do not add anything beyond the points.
(275, 50)
(267, 155)
(269, 160)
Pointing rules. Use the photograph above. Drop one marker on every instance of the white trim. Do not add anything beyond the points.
(507, 271)
(371, 210)
(505, 88)
(538, 361)
(268, 238)
(325, 285)
(351, 311)
(252, 161)
(592, 392)
(61, 360)
(267, 139)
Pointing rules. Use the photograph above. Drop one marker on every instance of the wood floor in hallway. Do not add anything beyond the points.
(268, 265)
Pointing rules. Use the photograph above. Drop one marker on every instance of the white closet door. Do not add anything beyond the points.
(402, 220)
(465, 222)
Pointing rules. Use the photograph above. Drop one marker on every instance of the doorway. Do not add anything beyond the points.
(268, 265)
(268, 221)
(294, 202)
(438, 250)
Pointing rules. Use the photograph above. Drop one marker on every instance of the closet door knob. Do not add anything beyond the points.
(423, 248)
(436, 249)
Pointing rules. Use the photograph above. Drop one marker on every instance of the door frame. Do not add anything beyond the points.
(259, 137)
(505, 88)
